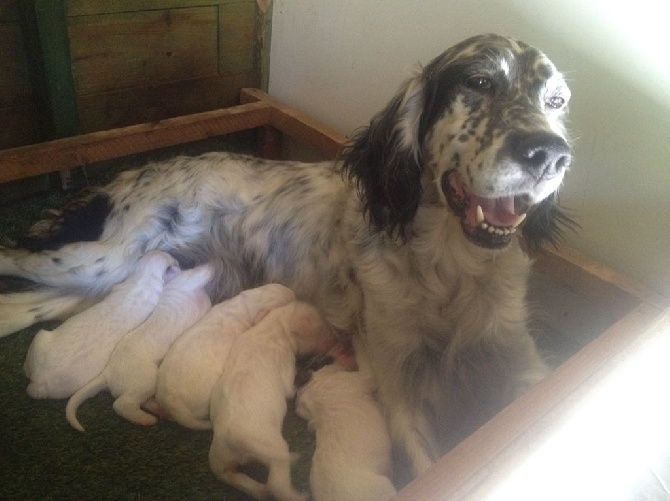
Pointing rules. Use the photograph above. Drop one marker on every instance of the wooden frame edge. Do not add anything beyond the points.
(62, 154)
(474, 466)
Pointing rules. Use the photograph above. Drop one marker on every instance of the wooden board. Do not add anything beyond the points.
(135, 49)
(62, 154)
(69, 67)
(135, 62)
(474, 468)
(17, 103)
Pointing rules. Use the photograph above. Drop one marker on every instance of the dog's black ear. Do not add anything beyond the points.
(384, 159)
(546, 223)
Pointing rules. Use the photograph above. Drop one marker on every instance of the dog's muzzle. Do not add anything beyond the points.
(490, 222)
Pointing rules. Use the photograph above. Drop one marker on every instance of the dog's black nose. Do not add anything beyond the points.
(543, 154)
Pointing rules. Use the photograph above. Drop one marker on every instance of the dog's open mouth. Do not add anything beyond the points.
(487, 222)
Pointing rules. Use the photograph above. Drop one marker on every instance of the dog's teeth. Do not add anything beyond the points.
(513, 230)
(507, 231)
(491, 229)
(499, 231)
(480, 214)
(484, 226)
(519, 220)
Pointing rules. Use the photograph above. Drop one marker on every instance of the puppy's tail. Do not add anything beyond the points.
(183, 415)
(90, 389)
(19, 310)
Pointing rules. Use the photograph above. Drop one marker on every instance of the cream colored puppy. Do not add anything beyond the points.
(352, 459)
(130, 375)
(249, 399)
(196, 359)
(61, 361)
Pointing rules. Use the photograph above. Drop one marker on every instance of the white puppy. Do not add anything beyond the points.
(195, 360)
(352, 459)
(249, 400)
(61, 361)
(130, 375)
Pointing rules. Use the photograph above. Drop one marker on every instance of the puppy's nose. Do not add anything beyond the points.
(542, 154)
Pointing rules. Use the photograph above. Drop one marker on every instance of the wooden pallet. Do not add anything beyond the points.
(627, 314)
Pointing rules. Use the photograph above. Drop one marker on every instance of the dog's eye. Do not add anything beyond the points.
(555, 102)
(479, 82)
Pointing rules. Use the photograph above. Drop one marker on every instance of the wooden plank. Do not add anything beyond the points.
(298, 125)
(474, 466)
(263, 34)
(55, 51)
(93, 7)
(9, 11)
(144, 104)
(36, 71)
(66, 153)
(115, 51)
(595, 280)
(270, 143)
(14, 77)
(237, 24)
(18, 112)
(24, 126)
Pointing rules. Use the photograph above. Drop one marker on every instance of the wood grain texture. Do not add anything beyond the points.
(133, 49)
(26, 161)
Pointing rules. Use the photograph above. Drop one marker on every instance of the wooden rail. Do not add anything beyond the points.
(62, 154)
(257, 110)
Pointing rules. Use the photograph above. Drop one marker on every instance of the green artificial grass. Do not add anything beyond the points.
(42, 457)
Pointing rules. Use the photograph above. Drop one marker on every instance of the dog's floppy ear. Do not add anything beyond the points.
(546, 222)
(384, 159)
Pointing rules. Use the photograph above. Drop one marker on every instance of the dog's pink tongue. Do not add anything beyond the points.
(497, 211)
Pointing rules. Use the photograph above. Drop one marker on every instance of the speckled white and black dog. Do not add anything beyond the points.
(408, 239)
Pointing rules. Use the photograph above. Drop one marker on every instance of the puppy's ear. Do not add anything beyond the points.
(171, 273)
(384, 159)
(260, 316)
(546, 223)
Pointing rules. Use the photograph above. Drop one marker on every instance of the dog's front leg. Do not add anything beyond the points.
(408, 427)
(410, 432)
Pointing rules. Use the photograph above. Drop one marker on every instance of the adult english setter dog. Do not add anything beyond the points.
(408, 240)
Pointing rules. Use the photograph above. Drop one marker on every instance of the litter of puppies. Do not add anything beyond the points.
(159, 346)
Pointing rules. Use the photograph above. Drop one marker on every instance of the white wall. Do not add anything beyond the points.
(340, 61)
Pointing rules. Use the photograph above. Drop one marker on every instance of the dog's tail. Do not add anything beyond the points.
(183, 415)
(19, 310)
(90, 389)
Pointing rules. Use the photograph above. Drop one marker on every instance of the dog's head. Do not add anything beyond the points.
(478, 130)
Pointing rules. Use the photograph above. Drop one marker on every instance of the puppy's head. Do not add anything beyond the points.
(479, 131)
(157, 264)
(314, 394)
(195, 278)
(310, 330)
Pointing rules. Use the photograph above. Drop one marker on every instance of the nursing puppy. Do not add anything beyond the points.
(352, 459)
(249, 400)
(61, 361)
(196, 359)
(130, 375)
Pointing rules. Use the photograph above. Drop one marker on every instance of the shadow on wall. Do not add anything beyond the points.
(619, 119)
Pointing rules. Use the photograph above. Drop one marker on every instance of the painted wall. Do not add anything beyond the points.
(341, 61)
